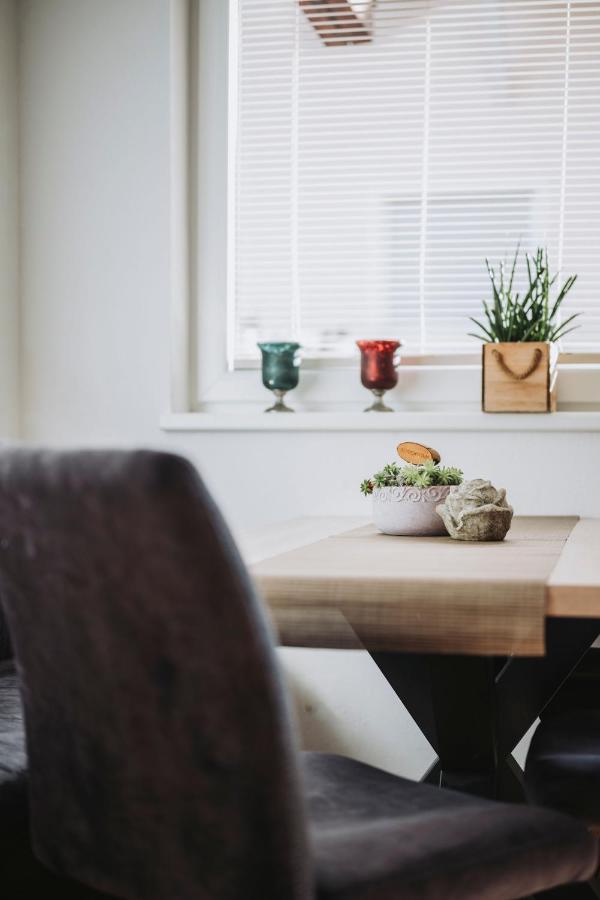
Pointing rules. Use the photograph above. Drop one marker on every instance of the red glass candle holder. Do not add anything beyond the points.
(379, 362)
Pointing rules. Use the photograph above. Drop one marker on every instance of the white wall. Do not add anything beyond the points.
(95, 81)
(95, 304)
(95, 214)
(9, 219)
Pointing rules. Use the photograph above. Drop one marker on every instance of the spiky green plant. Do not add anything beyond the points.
(424, 475)
(531, 317)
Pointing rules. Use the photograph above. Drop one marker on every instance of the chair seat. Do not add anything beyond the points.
(13, 756)
(375, 835)
(379, 837)
(563, 763)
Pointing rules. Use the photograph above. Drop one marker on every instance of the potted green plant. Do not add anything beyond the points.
(520, 335)
(405, 497)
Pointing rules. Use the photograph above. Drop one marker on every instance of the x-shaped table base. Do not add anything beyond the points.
(474, 710)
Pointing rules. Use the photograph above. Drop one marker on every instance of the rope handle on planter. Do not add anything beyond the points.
(518, 376)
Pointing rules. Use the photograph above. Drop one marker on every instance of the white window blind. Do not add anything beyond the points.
(380, 151)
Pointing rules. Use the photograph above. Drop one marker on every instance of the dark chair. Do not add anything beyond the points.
(563, 762)
(161, 759)
(13, 759)
(21, 875)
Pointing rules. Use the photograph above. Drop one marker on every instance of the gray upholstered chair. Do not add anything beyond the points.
(161, 759)
(563, 762)
(13, 758)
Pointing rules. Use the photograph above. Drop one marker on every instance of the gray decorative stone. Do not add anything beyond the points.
(476, 511)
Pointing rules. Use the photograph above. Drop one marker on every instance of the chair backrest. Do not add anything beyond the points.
(161, 757)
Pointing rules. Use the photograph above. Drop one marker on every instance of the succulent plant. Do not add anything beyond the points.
(532, 317)
(424, 475)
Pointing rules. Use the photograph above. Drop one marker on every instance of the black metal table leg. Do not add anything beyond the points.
(474, 710)
(452, 699)
(464, 708)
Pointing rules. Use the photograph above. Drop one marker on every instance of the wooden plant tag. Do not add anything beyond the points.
(417, 454)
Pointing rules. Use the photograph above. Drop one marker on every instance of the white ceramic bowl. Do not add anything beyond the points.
(409, 510)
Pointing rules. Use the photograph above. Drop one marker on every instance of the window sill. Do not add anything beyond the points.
(254, 419)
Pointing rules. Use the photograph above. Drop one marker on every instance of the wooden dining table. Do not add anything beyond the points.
(475, 638)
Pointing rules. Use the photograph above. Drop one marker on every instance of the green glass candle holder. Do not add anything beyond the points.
(280, 371)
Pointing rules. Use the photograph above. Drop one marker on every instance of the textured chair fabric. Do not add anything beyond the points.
(21, 875)
(563, 763)
(13, 757)
(161, 759)
(379, 837)
(160, 753)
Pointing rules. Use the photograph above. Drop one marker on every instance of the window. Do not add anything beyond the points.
(379, 151)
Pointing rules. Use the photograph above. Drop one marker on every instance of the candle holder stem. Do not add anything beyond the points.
(378, 405)
(279, 405)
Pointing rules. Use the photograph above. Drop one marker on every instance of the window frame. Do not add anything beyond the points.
(202, 377)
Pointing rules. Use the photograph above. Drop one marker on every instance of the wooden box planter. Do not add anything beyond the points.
(519, 377)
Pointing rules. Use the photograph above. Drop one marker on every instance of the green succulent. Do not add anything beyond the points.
(451, 475)
(422, 476)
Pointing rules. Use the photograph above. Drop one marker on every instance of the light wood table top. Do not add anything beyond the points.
(336, 582)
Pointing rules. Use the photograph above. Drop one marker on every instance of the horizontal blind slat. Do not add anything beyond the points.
(372, 179)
